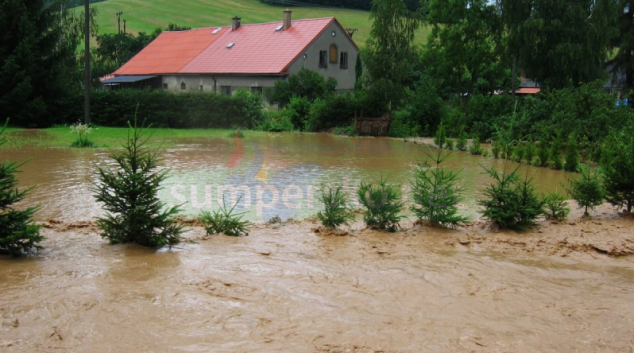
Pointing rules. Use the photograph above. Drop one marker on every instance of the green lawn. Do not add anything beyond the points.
(104, 137)
(147, 15)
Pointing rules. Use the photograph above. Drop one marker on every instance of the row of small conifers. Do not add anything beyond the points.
(134, 213)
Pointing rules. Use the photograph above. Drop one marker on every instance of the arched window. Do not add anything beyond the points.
(333, 54)
(183, 86)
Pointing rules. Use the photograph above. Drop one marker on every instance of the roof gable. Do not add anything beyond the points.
(257, 49)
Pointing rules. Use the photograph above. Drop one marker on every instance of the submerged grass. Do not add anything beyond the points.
(104, 137)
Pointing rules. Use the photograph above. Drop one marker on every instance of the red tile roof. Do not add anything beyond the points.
(527, 90)
(169, 52)
(258, 49)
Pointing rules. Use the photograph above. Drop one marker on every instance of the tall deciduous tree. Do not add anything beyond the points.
(390, 51)
(622, 65)
(566, 42)
(462, 50)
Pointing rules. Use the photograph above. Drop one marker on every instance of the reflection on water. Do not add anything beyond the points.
(268, 175)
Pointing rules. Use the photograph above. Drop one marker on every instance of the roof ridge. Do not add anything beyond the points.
(254, 24)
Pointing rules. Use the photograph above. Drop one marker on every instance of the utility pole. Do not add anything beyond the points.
(124, 21)
(118, 35)
(87, 62)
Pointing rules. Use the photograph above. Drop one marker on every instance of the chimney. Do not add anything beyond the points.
(236, 23)
(287, 18)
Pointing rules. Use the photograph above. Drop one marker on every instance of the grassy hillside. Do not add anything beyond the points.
(146, 15)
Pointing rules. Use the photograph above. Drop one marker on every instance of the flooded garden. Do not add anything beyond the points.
(291, 286)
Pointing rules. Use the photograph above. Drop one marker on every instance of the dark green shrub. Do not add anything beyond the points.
(529, 151)
(333, 111)
(382, 204)
(587, 189)
(436, 193)
(555, 206)
(555, 154)
(336, 211)
(496, 148)
(543, 153)
(129, 193)
(18, 234)
(461, 143)
(617, 164)
(401, 126)
(572, 154)
(440, 138)
(511, 202)
(224, 221)
(276, 121)
(449, 144)
(297, 111)
(475, 148)
(518, 153)
(305, 83)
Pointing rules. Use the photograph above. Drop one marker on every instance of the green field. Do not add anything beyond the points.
(147, 15)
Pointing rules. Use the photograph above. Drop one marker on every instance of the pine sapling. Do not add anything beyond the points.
(336, 210)
(129, 193)
(587, 189)
(382, 204)
(436, 193)
(18, 233)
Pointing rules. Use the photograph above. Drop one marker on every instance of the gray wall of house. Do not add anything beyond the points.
(194, 82)
(344, 76)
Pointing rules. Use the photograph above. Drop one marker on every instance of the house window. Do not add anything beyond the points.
(323, 57)
(225, 90)
(165, 86)
(256, 90)
(333, 54)
(201, 87)
(343, 60)
(183, 86)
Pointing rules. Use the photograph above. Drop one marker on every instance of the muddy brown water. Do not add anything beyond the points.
(285, 288)
(269, 175)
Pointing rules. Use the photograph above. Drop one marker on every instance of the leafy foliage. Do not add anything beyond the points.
(382, 204)
(510, 201)
(436, 193)
(555, 154)
(224, 221)
(336, 211)
(617, 164)
(18, 234)
(475, 148)
(305, 83)
(543, 153)
(129, 194)
(572, 154)
(38, 60)
(555, 206)
(587, 189)
(389, 52)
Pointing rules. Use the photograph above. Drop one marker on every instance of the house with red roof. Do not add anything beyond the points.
(251, 56)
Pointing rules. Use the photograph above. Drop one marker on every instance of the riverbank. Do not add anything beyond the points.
(287, 288)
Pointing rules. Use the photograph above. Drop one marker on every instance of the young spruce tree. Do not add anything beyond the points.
(617, 163)
(436, 193)
(129, 193)
(18, 234)
(587, 189)
(572, 154)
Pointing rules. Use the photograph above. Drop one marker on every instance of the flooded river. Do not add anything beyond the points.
(290, 287)
(268, 175)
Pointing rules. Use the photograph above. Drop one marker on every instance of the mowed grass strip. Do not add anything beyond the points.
(107, 137)
(147, 15)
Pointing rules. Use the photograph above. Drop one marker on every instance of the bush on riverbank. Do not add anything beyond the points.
(189, 109)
